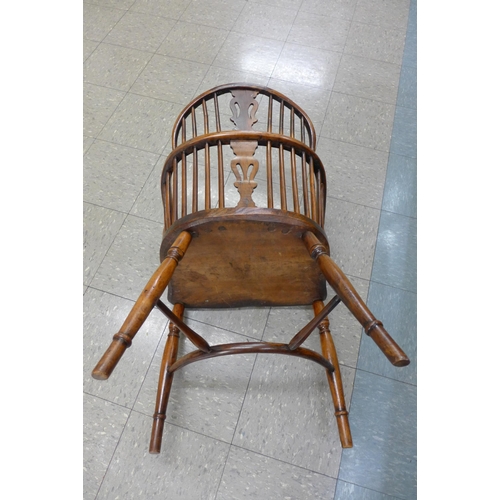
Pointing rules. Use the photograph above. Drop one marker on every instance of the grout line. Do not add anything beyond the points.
(113, 455)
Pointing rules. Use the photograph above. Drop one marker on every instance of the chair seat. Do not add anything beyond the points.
(245, 257)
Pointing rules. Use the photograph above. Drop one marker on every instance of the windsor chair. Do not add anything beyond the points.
(228, 252)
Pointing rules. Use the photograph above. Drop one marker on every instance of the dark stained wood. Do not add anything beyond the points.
(245, 166)
(334, 378)
(246, 256)
(165, 382)
(243, 95)
(245, 162)
(344, 289)
(250, 348)
(197, 340)
(301, 336)
(141, 309)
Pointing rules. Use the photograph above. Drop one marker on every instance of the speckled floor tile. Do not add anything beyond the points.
(307, 66)
(100, 227)
(397, 309)
(148, 204)
(87, 142)
(249, 475)
(220, 76)
(103, 423)
(250, 54)
(360, 121)
(288, 4)
(217, 13)
(119, 4)
(140, 31)
(288, 413)
(407, 94)
(103, 315)
(316, 30)
(387, 13)
(404, 132)
(367, 78)
(400, 193)
(131, 260)
(395, 261)
(375, 42)
(193, 42)
(313, 100)
(88, 47)
(352, 233)
(99, 20)
(189, 467)
(349, 491)
(383, 421)
(99, 103)
(113, 175)
(171, 9)
(142, 122)
(353, 173)
(206, 397)
(161, 77)
(272, 21)
(342, 9)
(115, 67)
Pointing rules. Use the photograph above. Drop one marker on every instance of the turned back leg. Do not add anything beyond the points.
(334, 379)
(165, 382)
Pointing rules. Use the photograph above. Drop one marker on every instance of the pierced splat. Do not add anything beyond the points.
(249, 165)
(244, 102)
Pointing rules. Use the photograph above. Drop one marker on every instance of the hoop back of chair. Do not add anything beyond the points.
(276, 160)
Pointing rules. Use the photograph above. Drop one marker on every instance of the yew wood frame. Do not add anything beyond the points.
(194, 236)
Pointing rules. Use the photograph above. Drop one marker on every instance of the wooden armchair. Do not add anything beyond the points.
(228, 252)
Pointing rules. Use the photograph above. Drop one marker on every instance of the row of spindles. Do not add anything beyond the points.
(298, 165)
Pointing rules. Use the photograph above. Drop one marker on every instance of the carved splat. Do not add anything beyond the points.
(249, 166)
(244, 106)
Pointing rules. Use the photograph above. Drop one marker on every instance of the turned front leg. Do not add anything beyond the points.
(141, 309)
(347, 293)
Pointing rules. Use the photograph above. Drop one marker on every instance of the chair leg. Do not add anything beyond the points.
(165, 382)
(141, 309)
(334, 379)
(347, 293)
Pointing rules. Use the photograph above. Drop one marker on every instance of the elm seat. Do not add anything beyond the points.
(244, 210)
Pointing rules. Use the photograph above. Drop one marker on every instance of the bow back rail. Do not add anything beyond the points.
(244, 107)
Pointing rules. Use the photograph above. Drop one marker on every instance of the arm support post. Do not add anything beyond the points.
(144, 305)
(344, 289)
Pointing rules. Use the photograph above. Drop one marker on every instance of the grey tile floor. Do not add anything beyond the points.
(251, 426)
